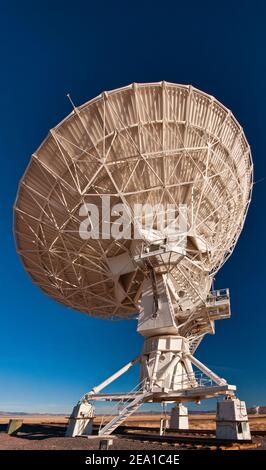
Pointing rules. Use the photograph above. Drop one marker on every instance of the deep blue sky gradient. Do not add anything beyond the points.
(49, 354)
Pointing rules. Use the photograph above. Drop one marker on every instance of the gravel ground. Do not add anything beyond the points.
(51, 437)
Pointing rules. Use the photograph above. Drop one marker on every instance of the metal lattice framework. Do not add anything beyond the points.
(145, 143)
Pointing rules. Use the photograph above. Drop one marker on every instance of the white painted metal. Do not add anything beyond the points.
(184, 395)
(81, 420)
(155, 143)
(162, 364)
(232, 420)
(113, 377)
(179, 417)
(206, 370)
(128, 410)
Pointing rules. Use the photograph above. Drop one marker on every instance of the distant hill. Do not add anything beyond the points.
(259, 410)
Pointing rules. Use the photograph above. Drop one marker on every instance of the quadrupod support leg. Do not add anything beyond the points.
(81, 419)
(179, 417)
(232, 420)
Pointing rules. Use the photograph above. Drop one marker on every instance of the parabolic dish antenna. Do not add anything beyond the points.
(128, 209)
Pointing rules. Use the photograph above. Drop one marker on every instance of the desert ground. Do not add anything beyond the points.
(46, 432)
(196, 421)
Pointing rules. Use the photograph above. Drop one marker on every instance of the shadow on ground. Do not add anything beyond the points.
(38, 431)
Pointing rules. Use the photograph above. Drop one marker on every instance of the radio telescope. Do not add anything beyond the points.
(156, 145)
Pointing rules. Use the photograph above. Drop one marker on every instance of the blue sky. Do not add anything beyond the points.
(50, 355)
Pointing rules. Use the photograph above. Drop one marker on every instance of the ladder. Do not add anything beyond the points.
(128, 410)
(194, 343)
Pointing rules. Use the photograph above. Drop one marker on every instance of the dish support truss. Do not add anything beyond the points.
(169, 370)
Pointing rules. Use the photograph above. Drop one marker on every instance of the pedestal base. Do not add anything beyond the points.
(81, 420)
(179, 417)
(232, 420)
(166, 364)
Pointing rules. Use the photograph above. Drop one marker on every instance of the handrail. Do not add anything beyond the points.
(136, 389)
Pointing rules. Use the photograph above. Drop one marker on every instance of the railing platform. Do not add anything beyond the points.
(191, 394)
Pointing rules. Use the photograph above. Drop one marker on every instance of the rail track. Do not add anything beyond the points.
(185, 438)
(176, 433)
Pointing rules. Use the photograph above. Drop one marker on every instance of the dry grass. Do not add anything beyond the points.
(35, 419)
(201, 421)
